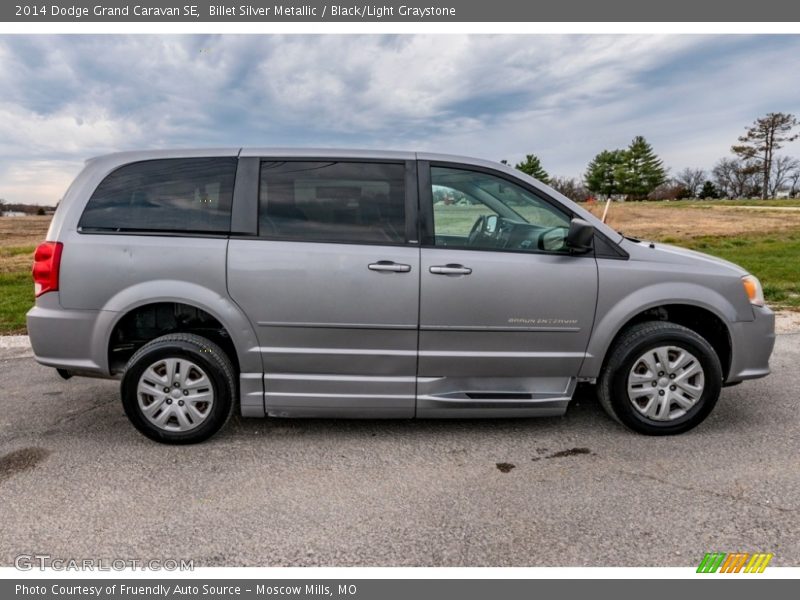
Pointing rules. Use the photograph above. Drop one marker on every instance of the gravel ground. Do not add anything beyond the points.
(787, 321)
(76, 480)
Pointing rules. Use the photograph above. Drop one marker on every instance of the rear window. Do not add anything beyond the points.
(190, 195)
(332, 201)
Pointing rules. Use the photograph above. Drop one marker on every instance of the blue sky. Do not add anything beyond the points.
(66, 98)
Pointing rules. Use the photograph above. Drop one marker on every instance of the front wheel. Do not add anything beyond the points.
(179, 389)
(660, 379)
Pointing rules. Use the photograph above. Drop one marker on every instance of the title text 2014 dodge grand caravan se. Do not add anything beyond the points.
(375, 284)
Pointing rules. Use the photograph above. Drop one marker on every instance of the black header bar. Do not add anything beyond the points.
(254, 11)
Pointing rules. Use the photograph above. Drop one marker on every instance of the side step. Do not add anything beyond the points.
(442, 408)
(442, 397)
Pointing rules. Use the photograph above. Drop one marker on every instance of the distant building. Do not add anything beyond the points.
(13, 213)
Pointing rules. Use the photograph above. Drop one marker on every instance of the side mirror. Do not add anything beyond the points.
(580, 236)
(491, 224)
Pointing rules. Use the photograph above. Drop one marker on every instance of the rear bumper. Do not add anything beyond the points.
(752, 343)
(66, 339)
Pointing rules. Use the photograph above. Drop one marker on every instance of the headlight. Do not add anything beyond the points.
(752, 287)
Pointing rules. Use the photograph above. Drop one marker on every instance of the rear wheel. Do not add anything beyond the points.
(179, 389)
(660, 379)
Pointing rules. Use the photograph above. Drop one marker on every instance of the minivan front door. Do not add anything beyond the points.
(505, 311)
(333, 288)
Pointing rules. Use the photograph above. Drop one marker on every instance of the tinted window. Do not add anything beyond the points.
(182, 194)
(478, 210)
(333, 201)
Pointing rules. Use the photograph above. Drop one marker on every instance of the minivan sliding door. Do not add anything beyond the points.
(331, 280)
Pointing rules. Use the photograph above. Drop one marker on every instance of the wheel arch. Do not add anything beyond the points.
(144, 296)
(705, 312)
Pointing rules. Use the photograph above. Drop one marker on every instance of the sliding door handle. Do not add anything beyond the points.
(450, 270)
(389, 266)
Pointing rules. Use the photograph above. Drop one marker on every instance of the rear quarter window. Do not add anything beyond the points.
(191, 195)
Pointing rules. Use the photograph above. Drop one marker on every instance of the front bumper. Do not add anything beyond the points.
(752, 343)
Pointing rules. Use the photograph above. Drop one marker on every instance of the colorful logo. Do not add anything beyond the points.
(735, 562)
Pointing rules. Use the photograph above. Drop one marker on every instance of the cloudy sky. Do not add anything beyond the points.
(66, 98)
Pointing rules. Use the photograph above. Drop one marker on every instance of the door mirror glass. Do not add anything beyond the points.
(580, 236)
(491, 224)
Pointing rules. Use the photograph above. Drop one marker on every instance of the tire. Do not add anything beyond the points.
(179, 389)
(682, 396)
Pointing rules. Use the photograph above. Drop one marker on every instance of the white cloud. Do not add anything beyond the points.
(38, 182)
(346, 82)
(71, 130)
(563, 97)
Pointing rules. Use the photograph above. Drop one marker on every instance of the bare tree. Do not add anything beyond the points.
(783, 168)
(722, 176)
(572, 187)
(737, 178)
(794, 183)
(669, 190)
(2, 206)
(691, 180)
(762, 139)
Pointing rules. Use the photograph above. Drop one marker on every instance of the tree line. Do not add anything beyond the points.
(28, 209)
(637, 173)
(754, 169)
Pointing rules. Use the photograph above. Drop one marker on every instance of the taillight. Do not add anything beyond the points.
(46, 262)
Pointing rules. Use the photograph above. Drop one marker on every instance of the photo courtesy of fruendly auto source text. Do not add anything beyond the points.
(444, 300)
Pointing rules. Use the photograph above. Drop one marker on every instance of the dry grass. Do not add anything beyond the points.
(763, 237)
(16, 260)
(19, 237)
(685, 220)
(22, 231)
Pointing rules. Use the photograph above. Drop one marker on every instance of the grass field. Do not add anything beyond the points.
(761, 236)
(18, 239)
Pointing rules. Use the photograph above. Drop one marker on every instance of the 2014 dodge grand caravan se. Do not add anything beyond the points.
(375, 284)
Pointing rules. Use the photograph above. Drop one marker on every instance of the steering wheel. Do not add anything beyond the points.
(477, 229)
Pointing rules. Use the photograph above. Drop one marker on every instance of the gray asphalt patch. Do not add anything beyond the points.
(582, 490)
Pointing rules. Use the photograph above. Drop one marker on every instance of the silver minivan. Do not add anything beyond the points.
(342, 283)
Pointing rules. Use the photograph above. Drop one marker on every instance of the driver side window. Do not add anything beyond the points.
(482, 211)
(455, 211)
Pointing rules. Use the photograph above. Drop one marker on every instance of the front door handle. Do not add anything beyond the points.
(450, 270)
(389, 266)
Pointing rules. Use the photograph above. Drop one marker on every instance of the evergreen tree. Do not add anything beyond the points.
(709, 190)
(641, 170)
(533, 166)
(601, 174)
